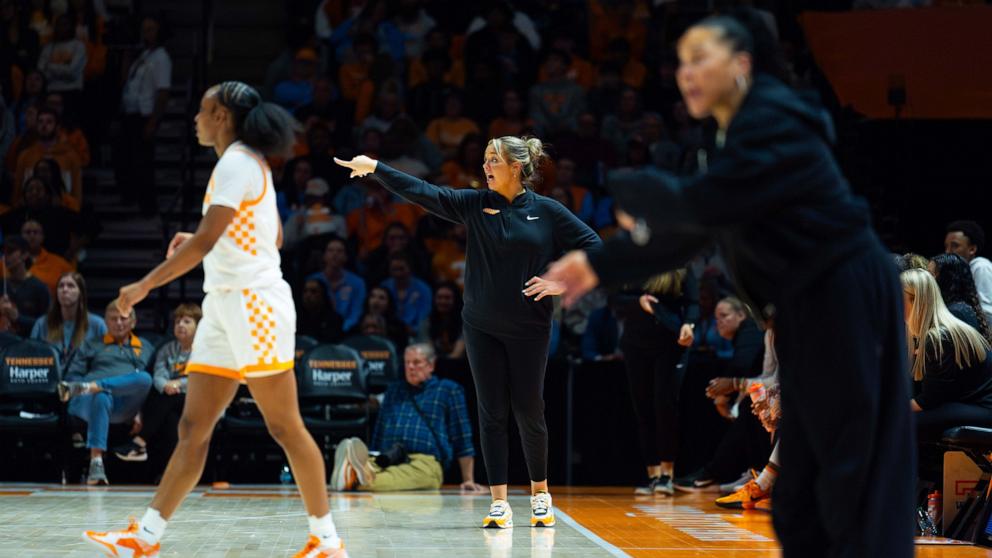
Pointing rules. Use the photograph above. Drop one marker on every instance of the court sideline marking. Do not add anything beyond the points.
(614, 551)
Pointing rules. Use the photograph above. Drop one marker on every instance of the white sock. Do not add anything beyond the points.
(767, 477)
(323, 528)
(151, 527)
(96, 459)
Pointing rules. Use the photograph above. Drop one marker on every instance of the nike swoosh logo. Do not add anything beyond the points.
(529, 218)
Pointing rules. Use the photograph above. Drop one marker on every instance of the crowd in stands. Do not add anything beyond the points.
(422, 86)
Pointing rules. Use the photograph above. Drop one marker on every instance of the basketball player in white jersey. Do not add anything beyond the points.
(248, 330)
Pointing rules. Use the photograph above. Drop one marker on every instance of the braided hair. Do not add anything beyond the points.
(265, 127)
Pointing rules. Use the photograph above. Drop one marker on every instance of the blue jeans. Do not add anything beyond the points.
(120, 400)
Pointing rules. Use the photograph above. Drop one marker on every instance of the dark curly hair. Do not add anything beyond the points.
(958, 285)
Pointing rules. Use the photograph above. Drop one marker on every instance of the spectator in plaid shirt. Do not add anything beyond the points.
(433, 436)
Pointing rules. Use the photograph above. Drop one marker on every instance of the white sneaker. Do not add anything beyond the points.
(542, 513)
(343, 477)
(351, 465)
(121, 543)
(500, 515)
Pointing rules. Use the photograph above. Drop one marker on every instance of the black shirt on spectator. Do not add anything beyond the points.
(31, 298)
(944, 382)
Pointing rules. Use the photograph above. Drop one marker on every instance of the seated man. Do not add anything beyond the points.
(106, 383)
(45, 266)
(428, 418)
(164, 405)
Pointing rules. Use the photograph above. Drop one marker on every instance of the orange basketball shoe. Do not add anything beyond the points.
(313, 549)
(122, 544)
(745, 498)
(764, 505)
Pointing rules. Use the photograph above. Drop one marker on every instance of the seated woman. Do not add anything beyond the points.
(68, 323)
(957, 287)
(950, 362)
(746, 444)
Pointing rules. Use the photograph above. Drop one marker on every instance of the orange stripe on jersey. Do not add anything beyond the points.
(268, 367)
(265, 178)
(213, 370)
(210, 190)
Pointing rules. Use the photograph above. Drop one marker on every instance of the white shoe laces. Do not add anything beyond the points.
(498, 508)
(540, 503)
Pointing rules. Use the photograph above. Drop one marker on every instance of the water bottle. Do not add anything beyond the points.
(933, 509)
(285, 476)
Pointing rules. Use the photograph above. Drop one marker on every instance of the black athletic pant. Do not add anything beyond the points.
(848, 460)
(746, 445)
(931, 423)
(160, 426)
(655, 380)
(509, 373)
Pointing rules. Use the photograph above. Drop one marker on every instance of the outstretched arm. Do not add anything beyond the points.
(446, 203)
(620, 261)
(189, 253)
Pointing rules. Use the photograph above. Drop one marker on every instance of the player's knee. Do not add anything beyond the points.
(194, 430)
(284, 430)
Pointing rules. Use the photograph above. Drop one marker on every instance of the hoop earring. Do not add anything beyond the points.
(741, 83)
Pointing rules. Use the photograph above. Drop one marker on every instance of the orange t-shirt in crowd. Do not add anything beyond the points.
(448, 263)
(604, 27)
(77, 140)
(350, 79)
(447, 133)
(456, 176)
(368, 224)
(64, 153)
(500, 127)
(48, 267)
(417, 74)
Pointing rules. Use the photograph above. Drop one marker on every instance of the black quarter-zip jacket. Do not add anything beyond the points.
(508, 243)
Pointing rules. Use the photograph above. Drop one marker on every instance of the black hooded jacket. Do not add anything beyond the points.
(772, 198)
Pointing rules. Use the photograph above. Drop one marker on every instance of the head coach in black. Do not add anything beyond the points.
(513, 234)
